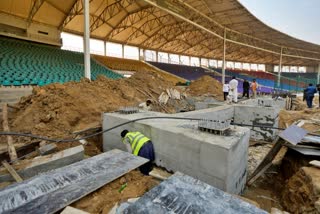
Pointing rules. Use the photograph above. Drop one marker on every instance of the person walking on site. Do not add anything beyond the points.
(139, 145)
(254, 87)
(318, 89)
(310, 91)
(233, 84)
(246, 87)
(225, 90)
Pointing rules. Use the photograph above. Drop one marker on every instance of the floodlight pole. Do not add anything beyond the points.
(280, 69)
(86, 41)
(224, 57)
(318, 77)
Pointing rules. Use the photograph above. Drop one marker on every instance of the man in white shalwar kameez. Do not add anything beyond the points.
(233, 85)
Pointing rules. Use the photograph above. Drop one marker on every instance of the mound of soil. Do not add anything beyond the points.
(208, 86)
(302, 191)
(289, 117)
(57, 110)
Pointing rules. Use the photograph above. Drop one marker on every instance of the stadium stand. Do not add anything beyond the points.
(27, 63)
(184, 71)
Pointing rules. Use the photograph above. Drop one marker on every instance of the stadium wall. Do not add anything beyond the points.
(17, 27)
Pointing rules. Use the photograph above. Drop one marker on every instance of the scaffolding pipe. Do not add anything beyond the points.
(280, 68)
(86, 40)
(224, 57)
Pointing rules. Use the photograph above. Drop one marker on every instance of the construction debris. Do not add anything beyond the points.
(5, 123)
(50, 192)
(183, 194)
(31, 167)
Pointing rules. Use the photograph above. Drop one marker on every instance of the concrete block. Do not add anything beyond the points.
(179, 146)
(255, 115)
(48, 149)
(30, 168)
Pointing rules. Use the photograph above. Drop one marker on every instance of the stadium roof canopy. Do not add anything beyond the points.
(186, 27)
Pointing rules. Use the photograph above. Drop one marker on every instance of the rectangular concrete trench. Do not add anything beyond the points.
(220, 161)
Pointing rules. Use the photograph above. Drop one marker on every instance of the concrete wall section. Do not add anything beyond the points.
(218, 160)
(254, 115)
(225, 112)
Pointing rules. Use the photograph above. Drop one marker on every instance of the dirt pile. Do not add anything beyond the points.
(289, 117)
(206, 86)
(302, 191)
(57, 110)
(102, 200)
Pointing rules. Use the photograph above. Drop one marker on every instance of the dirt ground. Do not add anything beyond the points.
(206, 86)
(102, 200)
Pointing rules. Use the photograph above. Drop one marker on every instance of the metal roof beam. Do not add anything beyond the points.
(219, 36)
(36, 4)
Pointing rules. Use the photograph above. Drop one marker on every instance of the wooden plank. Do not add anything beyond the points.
(72, 210)
(315, 163)
(5, 123)
(29, 168)
(266, 161)
(12, 172)
(54, 190)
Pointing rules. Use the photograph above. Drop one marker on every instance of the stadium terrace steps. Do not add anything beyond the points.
(27, 63)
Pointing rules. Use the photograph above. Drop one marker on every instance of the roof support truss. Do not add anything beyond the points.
(36, 4)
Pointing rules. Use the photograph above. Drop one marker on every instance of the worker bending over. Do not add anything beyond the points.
(139, 145)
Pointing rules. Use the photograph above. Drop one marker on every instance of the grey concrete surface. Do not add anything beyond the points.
(50, 192)
(184, 194)
(261, 116)
(179, 146)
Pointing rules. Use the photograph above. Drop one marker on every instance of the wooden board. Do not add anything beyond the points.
(11, 149)
(12, 172)
(52, 191)
(315, 163)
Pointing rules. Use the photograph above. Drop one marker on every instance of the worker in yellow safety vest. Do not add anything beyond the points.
(139, 145)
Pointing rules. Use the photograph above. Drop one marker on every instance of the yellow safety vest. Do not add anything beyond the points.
(136, 140)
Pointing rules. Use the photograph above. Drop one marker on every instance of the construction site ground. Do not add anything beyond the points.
(57, 111)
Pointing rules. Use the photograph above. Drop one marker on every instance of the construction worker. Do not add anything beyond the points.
(254, 87)
(233, 85)
(139, 145)
(146, 106)
(310, 91)
(225, 90)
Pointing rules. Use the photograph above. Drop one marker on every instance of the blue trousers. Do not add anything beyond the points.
(147, 152)
(309, 100)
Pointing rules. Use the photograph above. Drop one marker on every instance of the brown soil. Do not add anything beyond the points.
(206, 85)
(102, 200)
(302, 191)
(58, 110)
(289, 117)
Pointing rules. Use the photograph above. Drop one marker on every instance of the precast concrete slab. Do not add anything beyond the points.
(218, 160)
(51, 191)
(184, 194)
(258, 116)
(267, 101)
(223, 112)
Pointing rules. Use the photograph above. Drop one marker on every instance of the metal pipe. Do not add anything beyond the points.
(280, 69)
(86, 40)
(224, 57)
